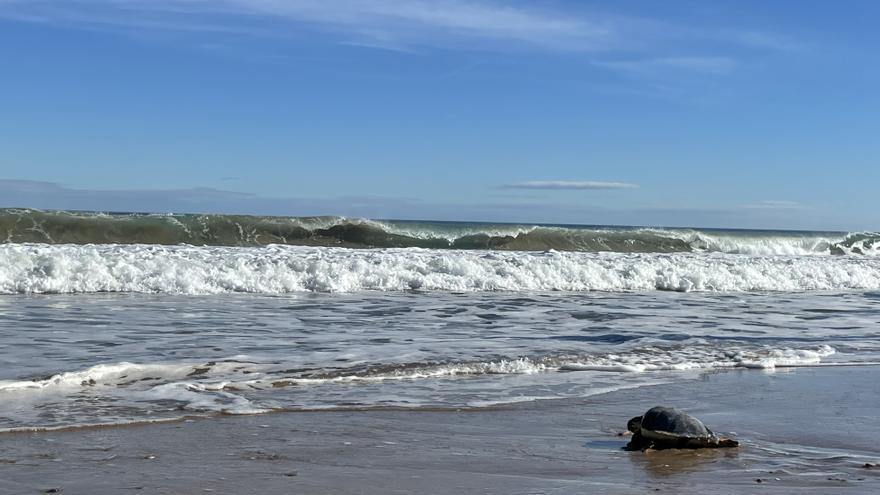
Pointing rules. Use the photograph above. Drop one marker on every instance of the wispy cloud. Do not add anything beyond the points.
(48, 195)
(775, 204)
(662, 65)
(569, 184)
(373, 23)
(407, 25)
(758, 39)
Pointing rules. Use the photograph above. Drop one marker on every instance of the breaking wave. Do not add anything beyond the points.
(60, 227)
(276, 269)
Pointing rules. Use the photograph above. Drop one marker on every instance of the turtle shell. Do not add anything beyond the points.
(667, 424)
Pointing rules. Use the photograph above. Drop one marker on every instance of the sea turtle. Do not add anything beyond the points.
(669, 428)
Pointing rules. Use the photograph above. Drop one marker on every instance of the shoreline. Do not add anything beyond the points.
(207, 416)
(806, 429)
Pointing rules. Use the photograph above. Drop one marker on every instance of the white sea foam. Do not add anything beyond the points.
(700, 357)
(763, 245)
(697, 359)
(201, 397)
(865, 244)
(125, 374)
(788, 358)
(452, 233)
(216, 377)
(102, 374)
(42, 268)
(236, 387)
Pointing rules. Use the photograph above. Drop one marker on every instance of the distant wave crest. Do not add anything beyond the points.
(58, 227)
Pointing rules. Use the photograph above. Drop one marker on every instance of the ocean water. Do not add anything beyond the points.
(120, 318)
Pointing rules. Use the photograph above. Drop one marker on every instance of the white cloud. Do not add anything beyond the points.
(48, 195)
(757, 39)
(659, 66)
(569, 184)
(407, 24)
(374, 23)
(774, 204)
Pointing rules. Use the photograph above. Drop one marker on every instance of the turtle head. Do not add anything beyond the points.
(634, 425)
(727, 442)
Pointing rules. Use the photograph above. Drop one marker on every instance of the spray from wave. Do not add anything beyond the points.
(43, 268)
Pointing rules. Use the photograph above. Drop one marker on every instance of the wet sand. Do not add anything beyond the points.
(805, 430)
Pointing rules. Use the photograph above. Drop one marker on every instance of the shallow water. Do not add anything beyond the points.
(79, 359)
(805, 430)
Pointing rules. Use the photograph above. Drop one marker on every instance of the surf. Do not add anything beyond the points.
(83, 228)
(280, 269)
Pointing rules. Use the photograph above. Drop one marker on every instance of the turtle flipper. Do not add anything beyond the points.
(727, 442)
(720, 442)
(638, 442)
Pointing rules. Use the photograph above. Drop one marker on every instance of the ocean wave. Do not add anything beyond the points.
(59, 227)
(126, 392)
(42, 268)
(697, 356)
(239, 373)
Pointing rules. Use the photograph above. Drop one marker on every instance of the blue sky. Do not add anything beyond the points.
(746, 114)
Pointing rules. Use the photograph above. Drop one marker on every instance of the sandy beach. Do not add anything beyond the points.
(377, 247)
(810, 430)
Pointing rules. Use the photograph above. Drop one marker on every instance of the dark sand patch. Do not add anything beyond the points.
(809, 430)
